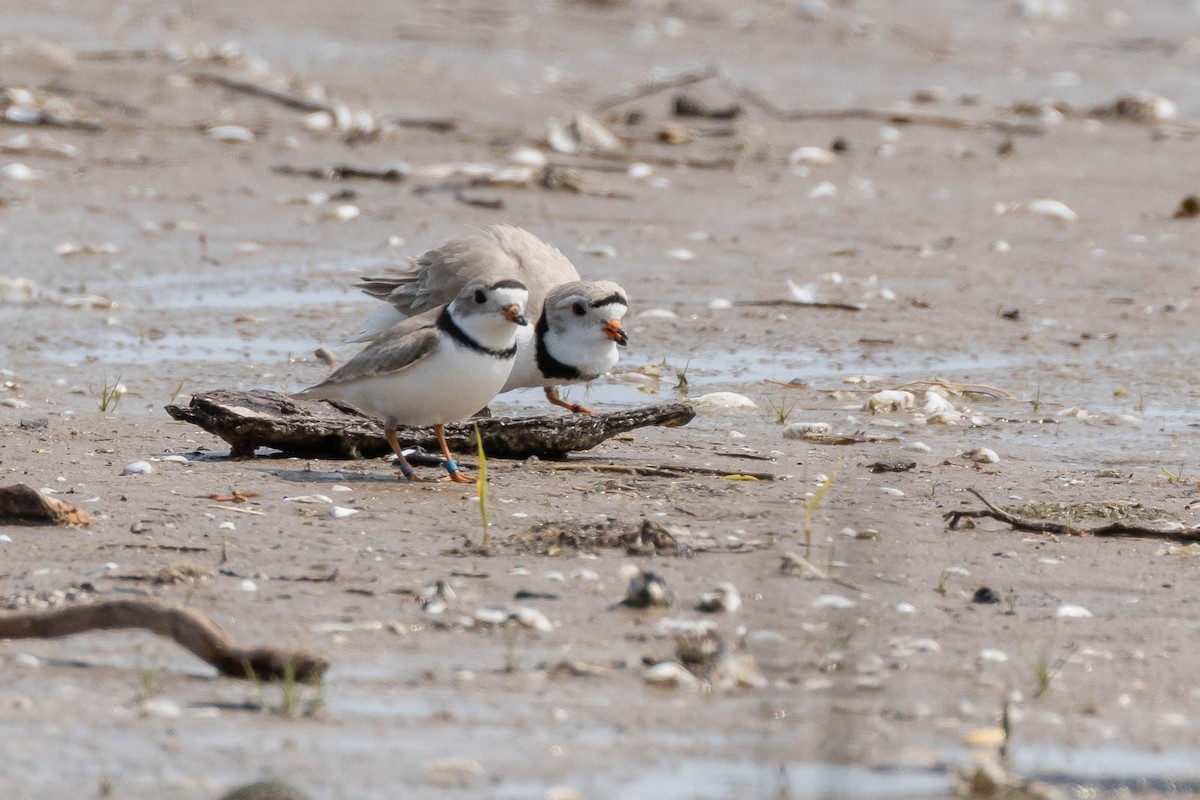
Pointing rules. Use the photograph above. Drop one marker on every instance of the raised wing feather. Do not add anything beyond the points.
(398, 348)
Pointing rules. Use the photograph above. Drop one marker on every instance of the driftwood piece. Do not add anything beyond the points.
(189, 628)
(1119, 528)
(24, 505)
(260, 418)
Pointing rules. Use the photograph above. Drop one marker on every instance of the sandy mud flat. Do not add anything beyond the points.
(979, 204)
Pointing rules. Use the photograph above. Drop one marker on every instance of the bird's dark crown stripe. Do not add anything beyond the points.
(615, 297)
(507, 283)
(548, 365)
(446, 323)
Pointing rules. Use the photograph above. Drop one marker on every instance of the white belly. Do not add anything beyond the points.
(450, 385)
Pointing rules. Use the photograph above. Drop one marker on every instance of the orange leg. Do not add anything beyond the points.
(574, 408)
(405, 468)
(451, 464)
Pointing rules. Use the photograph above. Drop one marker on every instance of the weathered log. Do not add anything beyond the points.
(189, 628)
(260, 418)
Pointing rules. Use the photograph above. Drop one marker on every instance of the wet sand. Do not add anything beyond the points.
(225, 275)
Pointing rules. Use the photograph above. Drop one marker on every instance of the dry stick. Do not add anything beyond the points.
(1045, 526)
(655, 86)
(802, 304)
(246, 87)
(960, 388)
(893, 117)
(190, 629)
(344, 171)
(656, 471)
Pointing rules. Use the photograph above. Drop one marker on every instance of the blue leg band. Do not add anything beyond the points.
(406, 470)
(451, 465)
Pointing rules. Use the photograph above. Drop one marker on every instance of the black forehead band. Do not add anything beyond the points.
(615, 297)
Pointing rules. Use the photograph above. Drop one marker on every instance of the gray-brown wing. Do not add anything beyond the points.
(395, 350)
(437, 276)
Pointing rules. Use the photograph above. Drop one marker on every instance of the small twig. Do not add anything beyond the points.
(677, 81)
(435, 124)
(959, 388)
(803, 304)
(288, 99)
(173, 548)
(240, 510)
(1046, 526)
(1028, 127)
(344, 171)
(657, 471)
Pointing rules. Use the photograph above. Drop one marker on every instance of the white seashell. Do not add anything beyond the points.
(935, 403)
(992, 654)
(658, 313)
(22, 115)
(491, 615)
(719, 304)
(14, 402)
(1054, 209)
(341, 512)
(722, 402)
(1069, 611)
(802, 294)
(18, 172)
(233, 134)
(905, 608)
(138, 468)
(318, 122)
(639, 171)
(512, 176)
(599, 250)
(1001, 246)
(593, 136)
(227, 526)
(247, 586)
(527, 157)
(174, 459)
(159, 707)
(890, 400)
(944, 418)
(892, 491)
(981, 455)
(811, 156)
(680, 254)
(343, 213)
(835, 601)
(1124, 419)
(799, 430)
(531, 618)
(309, 498)
(917, 447)
(672, 675)
(1074, 411)
(823, 189)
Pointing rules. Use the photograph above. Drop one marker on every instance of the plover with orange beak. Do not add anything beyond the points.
(577, 323)
(441, 366)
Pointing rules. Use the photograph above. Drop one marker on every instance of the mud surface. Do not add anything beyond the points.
(222, 274)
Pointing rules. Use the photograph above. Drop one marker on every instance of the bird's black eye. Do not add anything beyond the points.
(480, 297)
(579, 309)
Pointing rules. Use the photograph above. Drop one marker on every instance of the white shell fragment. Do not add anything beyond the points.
(811, 156)
(343, 213)
(673, 675)
(1054, 209)
(18, 172)
(981, 455)
(681, 254)
(936, 404)
(1070, 611)
(341, 512)
(723, 403)
(233, 134)
(890, 400)
(138, 468)
(527, 157)
(835, 601)
(800, 430)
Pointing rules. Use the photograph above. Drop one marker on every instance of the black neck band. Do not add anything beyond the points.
(446, 323)
(548, 365)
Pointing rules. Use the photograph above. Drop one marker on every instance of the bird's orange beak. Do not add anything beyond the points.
(613, 330)
(513, 314)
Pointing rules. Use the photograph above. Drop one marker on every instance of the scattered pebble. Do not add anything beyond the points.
(645, 589)
(340, 512)
(233, 134)
(1053, 209)
(800, 430)
(452, 773)
(1069, 611)
(981, 455)
(248, 586)
(680, 254)
(138, 468)
(892, 491)
(723, 597)
(673, 675)
(890, 400)
(811, 156)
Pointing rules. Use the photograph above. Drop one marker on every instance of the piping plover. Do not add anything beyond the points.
(437, 367)
(578, 323)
